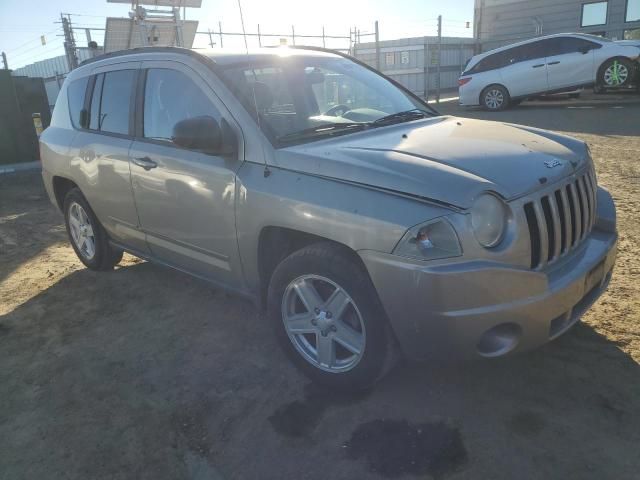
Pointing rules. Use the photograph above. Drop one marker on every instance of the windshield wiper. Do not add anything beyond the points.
(323, 130)
(399, 117)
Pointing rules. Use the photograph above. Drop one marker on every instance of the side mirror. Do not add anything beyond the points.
(584, 50)
(203, 134)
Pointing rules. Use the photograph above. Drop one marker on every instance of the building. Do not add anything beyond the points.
(53, 71)
(501, 22)
(421, 64)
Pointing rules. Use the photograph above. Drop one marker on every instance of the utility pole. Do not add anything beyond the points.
(220, 33)
(211, 44)
(4, 61)
(69, 41)
(439, 58)
(377, 47)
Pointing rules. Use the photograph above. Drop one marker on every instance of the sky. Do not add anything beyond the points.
(23, 22)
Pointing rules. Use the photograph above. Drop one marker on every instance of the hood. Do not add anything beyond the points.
(445, 159)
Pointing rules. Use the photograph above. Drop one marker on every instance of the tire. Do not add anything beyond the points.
(495, 98)
(308, 284)
(616, 72)
(86, 235)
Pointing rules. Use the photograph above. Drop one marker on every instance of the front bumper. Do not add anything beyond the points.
(482, 308)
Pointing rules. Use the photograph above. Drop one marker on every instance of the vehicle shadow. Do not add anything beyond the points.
(148, 373)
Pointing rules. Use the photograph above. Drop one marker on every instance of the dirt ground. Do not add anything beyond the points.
(147, 373)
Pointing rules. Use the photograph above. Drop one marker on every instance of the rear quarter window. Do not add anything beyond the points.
(75, 94)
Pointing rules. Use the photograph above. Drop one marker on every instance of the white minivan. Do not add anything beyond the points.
(551, 64)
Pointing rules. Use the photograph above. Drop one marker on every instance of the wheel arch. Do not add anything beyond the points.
(275, 243)
(62, 186)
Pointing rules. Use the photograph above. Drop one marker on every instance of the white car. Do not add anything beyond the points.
(551, 64)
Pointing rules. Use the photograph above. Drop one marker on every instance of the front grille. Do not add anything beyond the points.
(560, 219)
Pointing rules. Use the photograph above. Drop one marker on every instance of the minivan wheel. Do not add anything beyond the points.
(328, 318)
(495, 98)
(87, 236)
(616, 72)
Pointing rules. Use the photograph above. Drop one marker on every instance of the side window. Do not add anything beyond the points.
(75, 93)
(94, 123)
(537, 50)
(169, 97)
(115, 101)
(492, 62)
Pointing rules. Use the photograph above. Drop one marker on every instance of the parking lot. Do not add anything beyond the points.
(148, 373)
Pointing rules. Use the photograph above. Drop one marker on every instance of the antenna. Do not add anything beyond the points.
(267, 172)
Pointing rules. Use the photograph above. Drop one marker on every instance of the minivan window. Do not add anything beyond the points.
(116, 101)
(171, 96)
(531, 51)
(563, 45)
(492, 62)
(76, 93)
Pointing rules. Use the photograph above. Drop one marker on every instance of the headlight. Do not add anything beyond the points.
(429, 241)
(488, 220)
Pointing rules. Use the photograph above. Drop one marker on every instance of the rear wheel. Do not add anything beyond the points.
(616, 72)
(495, 98)
(87, 236)
(328, 318)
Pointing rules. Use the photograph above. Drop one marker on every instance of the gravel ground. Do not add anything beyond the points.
(148, 373)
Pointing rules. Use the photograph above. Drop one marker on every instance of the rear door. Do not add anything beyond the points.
(100, 150)
(570, 62)
(525, 70)
(186, 198)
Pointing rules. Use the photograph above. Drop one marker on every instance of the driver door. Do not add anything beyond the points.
(184, 198)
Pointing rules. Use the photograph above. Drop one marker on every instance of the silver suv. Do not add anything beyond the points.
(364, 222)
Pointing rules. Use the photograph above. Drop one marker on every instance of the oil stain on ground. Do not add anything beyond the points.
(394, 447)
(300, 417)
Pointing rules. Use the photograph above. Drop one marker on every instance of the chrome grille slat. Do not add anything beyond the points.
(592, 191)
(587, 195)
(560, 219)
(542, 226)
(568, 220)
(577, 221)
(584, 209)
(556, 227)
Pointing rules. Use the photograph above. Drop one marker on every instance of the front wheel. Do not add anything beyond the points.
(617, 72)
(328, 317)
(495, 98)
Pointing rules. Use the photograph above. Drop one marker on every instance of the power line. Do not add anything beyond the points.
(31, 41)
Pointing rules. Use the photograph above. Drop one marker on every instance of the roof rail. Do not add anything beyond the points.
(133, 51)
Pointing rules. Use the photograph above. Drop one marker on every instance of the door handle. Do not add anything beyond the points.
(538, 65)
(145, 162)
(553, 63)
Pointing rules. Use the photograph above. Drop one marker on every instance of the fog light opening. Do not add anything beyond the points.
(499, 340)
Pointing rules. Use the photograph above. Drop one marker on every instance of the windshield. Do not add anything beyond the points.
(298, 99)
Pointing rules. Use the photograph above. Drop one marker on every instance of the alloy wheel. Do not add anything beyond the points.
(494, 99)
(323, 323)
(616, 74)
(82, 231)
